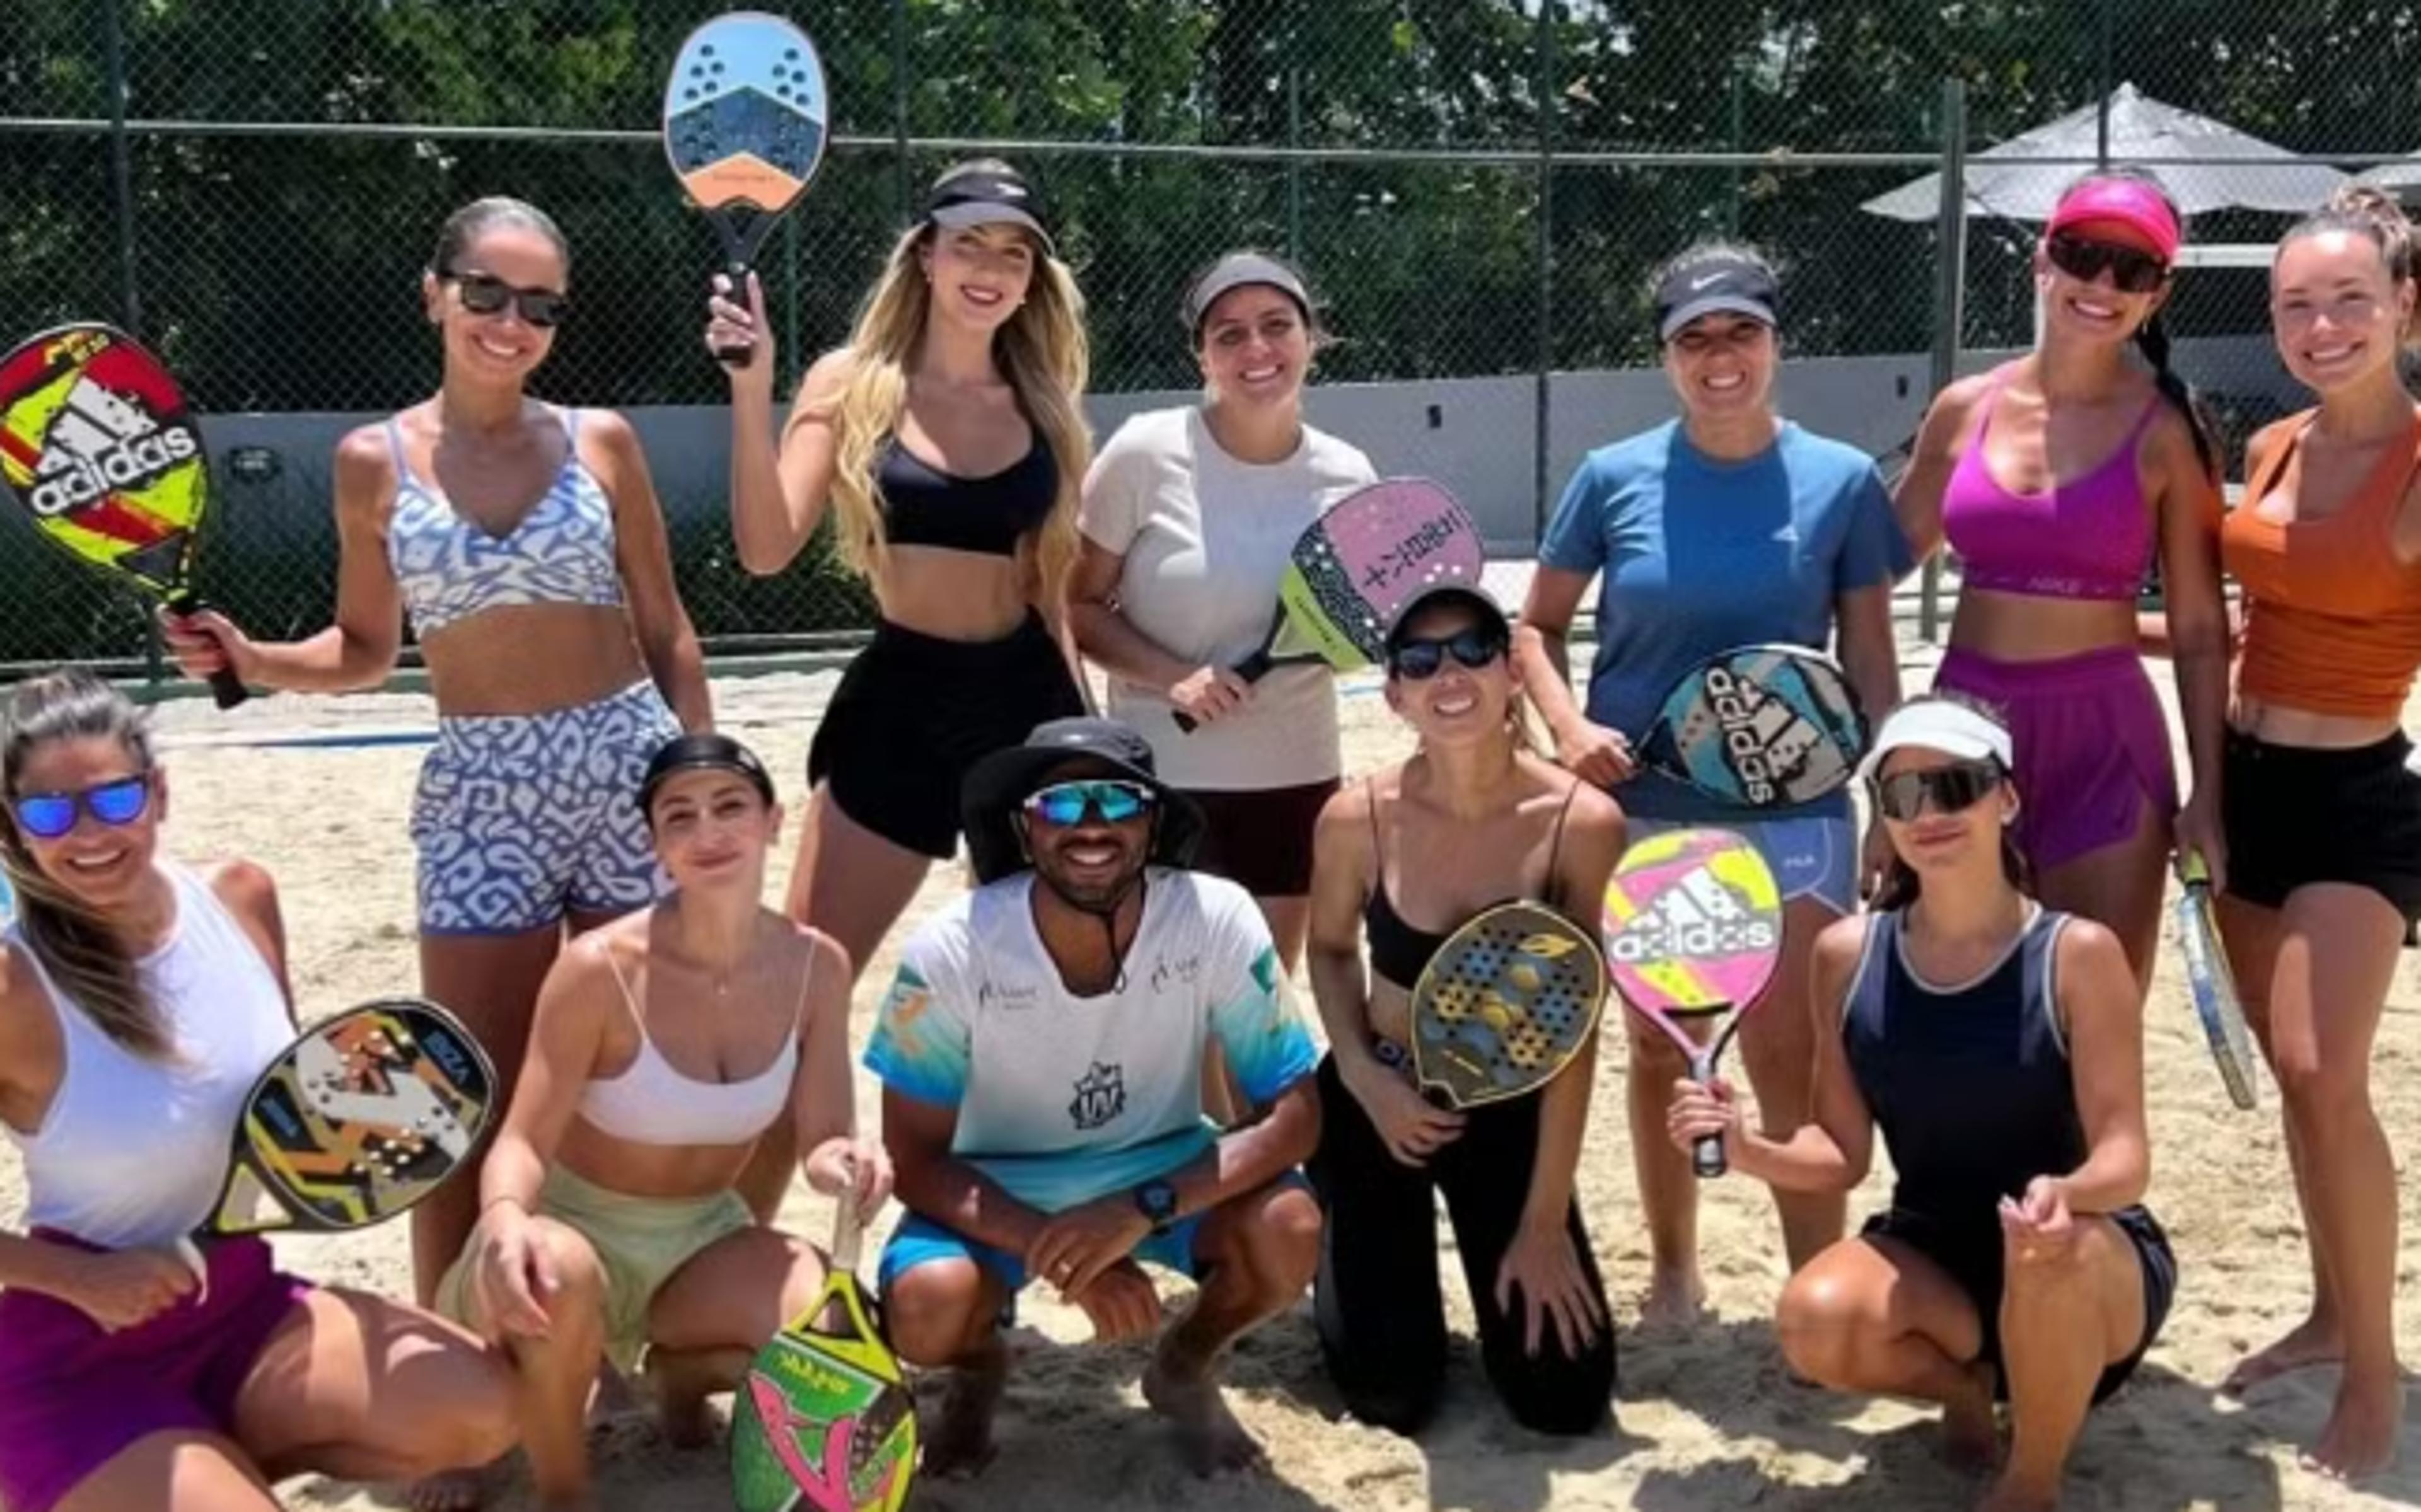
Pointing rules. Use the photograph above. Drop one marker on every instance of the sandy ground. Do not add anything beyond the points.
(1707, 1418)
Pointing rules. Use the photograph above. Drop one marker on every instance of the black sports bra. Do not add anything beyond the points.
(1399, 952)
(923, 505)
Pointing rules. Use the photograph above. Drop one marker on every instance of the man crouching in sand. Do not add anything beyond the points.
(1042, 1058)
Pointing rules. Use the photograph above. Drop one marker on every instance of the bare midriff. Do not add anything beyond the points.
(953, 595)
(531, 659)
(2026, 627)
(670, 1171)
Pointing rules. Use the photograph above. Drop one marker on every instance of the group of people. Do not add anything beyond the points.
(1089, 1061)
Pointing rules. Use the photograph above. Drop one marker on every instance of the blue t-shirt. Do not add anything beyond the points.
(1749, 551)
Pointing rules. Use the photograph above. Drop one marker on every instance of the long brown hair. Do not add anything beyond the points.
(78, 947)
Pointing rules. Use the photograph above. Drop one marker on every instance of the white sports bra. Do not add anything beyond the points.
(450, 567)
(652, 1104)
(132, 1153)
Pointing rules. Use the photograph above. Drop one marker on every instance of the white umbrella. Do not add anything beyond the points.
(2401, 174)
(2175, 146)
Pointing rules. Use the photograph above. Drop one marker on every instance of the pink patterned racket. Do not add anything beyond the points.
(1693, 932)
(1355, 566)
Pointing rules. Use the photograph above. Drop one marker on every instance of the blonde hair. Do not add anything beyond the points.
(79, 948)
(1041, 351)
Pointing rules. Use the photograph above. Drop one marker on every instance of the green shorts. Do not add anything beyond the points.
(640, 1242)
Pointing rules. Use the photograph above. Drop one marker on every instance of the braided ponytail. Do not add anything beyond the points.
(2152, 340)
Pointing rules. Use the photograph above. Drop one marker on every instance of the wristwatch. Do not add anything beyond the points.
(1156, 1199)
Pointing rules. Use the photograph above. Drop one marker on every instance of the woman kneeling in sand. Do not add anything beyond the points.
(664, 1045)
(1999, 1045)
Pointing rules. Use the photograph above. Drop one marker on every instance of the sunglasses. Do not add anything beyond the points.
(1951, 789)
(487, 294)
(1417, 660)
(2135, 271)
(1108, 799)
(49, 815)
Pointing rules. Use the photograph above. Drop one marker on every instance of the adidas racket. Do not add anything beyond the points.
(746, 117)
(1358, 564)
(2210, 982)
(1504, 1005)
(1692, 934)
(1761, 727)
(824, 1418)
(96, 446)
(362, 1118)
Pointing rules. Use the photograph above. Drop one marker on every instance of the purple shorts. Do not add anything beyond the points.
(73, 1397)
(2092, 746)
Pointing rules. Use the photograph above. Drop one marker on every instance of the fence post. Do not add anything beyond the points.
(906, 185)
(1949, 299)
(1542, 398)
(130, 294)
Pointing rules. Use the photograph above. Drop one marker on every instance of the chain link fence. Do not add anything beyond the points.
(1479, 189)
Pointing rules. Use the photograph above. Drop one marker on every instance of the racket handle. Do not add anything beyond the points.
(737, 357)
(1707, 1157)
(1251, 669)
(226, 687)
(848, 1229)
(1707, 1160)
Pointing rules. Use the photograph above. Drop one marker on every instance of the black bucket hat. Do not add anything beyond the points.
(1001, 783)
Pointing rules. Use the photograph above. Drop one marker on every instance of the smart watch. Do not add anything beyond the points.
(1156, 1199)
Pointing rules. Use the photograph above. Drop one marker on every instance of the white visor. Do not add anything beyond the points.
(1939, 725)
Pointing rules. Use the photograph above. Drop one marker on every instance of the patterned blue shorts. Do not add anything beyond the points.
(521, 816)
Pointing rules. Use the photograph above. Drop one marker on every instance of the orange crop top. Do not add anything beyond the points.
(2331, 620)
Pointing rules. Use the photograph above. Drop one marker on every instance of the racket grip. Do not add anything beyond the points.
(1256, 666)
(1707, 1152)
(227, 688)
(848, 1229)
(1707, 1157)
(1186, 722)
(737, 357)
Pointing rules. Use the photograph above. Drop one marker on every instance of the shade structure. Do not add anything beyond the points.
(2199, 161)
(2404, 173)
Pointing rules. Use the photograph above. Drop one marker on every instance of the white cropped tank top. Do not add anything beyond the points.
(132, 1153)
(652, 1104)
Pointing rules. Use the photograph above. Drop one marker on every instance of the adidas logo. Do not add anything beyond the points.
(101, 442)
(1696, 918)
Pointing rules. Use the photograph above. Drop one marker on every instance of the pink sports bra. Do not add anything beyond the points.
(2089, 538)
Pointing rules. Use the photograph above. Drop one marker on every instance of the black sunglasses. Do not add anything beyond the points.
(1951, 789)
(2134, 270)
(487, 294)
(1418, 660)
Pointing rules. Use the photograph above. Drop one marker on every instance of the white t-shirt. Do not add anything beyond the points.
(1205, 538)
(1064, 1098)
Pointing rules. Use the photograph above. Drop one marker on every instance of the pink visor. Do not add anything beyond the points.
(2128, 202)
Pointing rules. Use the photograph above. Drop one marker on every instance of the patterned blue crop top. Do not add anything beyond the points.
(449, 566)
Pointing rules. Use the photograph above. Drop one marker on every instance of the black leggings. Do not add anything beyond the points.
(1381, 1317)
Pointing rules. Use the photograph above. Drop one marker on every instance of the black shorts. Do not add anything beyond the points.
(2297, 816)
(1971, 1256)
(1261, 840)
(914, 712)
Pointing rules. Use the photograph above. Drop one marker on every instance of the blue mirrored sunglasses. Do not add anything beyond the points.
(1112, 800)
(49, 815)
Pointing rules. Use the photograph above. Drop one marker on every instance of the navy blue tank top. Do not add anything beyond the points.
(1969, 1084)
(923, 505)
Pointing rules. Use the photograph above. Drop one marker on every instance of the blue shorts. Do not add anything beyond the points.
(1812, 856)
(919, 1241)
(520, 817)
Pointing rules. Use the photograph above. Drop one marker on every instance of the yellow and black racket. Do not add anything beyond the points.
(746, 117)
(824, 1419)
(96, 444)
(1504, 1005)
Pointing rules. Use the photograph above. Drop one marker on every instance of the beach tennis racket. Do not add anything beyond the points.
(360, 1119)
(96, 446)
(2210, 982)
(824, 1418)
(1692, 933)
(1355, 566)
(1761, 727)
(746, 118)
(1504, 1005)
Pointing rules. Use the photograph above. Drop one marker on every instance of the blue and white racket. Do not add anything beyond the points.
(1759, 727)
